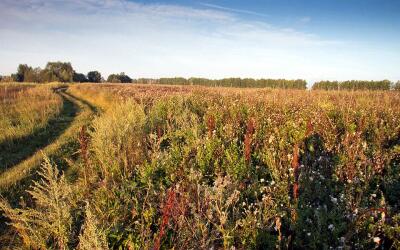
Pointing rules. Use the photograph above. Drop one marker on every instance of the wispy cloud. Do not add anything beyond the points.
(112, 6)
(305, 19)
(240, 11)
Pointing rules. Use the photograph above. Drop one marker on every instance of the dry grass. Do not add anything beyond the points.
(24, 108)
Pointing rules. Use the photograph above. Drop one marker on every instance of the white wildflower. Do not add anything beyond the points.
(377, 240)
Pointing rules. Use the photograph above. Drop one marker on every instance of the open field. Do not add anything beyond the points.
(191, 167)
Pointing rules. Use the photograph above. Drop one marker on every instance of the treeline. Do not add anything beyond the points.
(64, 72)
(60, 72)
(229, 82)
(356, 85)
(53, 72)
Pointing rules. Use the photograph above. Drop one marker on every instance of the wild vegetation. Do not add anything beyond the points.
(191, 167)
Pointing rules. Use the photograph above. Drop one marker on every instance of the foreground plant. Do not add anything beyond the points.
(49, 222)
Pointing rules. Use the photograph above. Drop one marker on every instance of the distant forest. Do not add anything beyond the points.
(64, 72)
(356, 85)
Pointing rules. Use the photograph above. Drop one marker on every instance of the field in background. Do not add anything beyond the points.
(189, 167)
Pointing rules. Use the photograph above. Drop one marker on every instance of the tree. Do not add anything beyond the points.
(26, 73)
(113, 78)
(21, 71)
(353, 85)
(78, 77)
(59, 71)
(94, 76)
(124, 78)
(119, 78)
(32, 75)
(396, 86)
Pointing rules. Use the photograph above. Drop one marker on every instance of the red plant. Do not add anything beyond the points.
(248, 139)
(295, 166)
(295, 190)
(309, 128)
(159, 131)
(210, 125)
(167, 212)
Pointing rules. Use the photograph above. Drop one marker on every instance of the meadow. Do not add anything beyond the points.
(144, 166)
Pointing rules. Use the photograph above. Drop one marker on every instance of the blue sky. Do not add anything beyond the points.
(313, 40)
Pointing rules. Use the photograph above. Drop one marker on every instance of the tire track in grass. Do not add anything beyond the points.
(17, 178)
(16, 150)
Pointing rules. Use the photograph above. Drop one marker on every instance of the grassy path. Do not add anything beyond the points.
(62, 142)
(18, 149)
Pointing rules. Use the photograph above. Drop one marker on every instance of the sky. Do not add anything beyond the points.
(292, 39)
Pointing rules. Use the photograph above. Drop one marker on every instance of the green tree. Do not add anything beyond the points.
(119, 78)
(396, 86)
(26, 73)
(59, 71)
(125, 78)
(21, 71)
(113, 78)
(79, 77)
(32, 75)
(94, 76)
(353, 85)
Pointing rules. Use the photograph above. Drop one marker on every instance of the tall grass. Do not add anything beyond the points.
(25, 108)
(118, 139)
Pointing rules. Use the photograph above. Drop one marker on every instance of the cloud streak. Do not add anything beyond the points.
(107, 7)
(240, 11)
